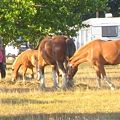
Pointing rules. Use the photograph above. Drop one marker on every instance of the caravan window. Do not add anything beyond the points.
(109, 31)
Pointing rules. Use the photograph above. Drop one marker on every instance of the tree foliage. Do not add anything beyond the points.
(113, 6)
(15, 17)
(32, 19)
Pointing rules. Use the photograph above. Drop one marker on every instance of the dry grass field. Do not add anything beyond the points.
(25, 101)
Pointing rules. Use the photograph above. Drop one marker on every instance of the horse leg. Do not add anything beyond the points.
(24, 73)
(64, 76)
(112, 86)
(98, 76)
(55, 74)
(106, 78)
(100, 70)
(38, 70)
(37, 73)
(32, 74)
(41, 76)
(57, 71)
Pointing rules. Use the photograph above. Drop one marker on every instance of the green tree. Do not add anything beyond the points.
(33, 19)
(15, 18)
(114, 6)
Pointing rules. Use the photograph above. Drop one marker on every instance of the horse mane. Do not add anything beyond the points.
(17, 59)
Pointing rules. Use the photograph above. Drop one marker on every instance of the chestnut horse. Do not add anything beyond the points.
(98, 53)
(27, 59)
(53, 51)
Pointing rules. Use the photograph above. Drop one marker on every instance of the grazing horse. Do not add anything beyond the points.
(98, 53)
(53, 51)
(27, 59)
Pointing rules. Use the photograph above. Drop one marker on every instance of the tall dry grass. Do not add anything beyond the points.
(25, 101)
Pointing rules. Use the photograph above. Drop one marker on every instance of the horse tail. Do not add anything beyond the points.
(70, 47)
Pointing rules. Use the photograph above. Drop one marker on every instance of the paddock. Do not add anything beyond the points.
(85, 75)
(27, 101)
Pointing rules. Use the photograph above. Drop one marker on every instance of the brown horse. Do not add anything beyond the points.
(98, 53)
(53, 51)
(27, 59)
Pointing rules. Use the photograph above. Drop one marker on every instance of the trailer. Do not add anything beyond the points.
(99, 28)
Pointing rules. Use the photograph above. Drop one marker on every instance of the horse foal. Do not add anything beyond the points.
(27, 59)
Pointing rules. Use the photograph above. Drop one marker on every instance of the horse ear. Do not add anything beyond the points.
(67, 38)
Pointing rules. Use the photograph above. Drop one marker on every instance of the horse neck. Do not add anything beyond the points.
(85, 53)
(16, 65)
(80, 56)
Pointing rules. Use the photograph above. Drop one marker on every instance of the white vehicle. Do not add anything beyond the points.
(11, 51)
(99, 28)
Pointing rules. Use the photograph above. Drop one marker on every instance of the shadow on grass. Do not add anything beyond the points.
(17, 101)
(64, 116)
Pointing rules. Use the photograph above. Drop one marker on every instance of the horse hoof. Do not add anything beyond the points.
(42, 87)
(63, 87)
(70, 83)
(112, 87)
(13, 81)
(55, 86)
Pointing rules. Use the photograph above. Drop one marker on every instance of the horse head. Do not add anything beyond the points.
(71, 71)
(14, 75)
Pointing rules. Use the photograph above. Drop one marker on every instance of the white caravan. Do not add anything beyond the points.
(99, 28)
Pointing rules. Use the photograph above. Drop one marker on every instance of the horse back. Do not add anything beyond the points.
(27, 58)
(103, 52)
(53, 49)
